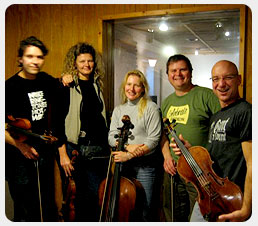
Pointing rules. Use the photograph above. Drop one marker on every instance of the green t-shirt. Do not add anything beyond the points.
(192, 113)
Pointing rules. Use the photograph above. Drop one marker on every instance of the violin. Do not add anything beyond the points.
(20, 129)
(68, 207)
(119, 197)
(216, 195)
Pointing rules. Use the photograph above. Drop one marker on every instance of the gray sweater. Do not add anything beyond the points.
(147, 129)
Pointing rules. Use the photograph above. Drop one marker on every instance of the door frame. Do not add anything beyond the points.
(106, 41)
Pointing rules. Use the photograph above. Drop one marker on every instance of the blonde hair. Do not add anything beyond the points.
(69, 66)
(145, 95)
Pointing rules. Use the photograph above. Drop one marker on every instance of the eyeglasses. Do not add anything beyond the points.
(216, 79)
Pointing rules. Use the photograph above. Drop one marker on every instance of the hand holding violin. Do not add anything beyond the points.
(235, 216)
(175, 147)
(17, 130)
(28, 151)
(217, 197)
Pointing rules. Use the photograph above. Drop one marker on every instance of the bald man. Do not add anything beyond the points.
(230, 139)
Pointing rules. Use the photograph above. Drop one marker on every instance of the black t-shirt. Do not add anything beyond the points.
(229, 127)
(92, 121)
(28, 99)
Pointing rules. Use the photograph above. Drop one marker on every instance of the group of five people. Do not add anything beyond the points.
(73, 108)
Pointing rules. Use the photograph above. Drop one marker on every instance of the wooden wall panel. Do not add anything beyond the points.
(248, 71)
(61, 26)
(56, 51)
(140, 7)
(44, 31)
(11, 41)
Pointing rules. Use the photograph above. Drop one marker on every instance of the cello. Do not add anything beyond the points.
(216, 195)
(120, 197)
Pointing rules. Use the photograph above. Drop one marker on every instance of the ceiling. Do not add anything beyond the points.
(204, 31)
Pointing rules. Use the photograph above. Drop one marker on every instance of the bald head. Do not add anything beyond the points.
(225, 82)
(225, 65)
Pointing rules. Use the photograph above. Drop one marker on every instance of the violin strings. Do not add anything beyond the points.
(199, 174)
(192, 163)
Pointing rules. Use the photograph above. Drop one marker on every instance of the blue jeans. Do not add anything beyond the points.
(146, 176)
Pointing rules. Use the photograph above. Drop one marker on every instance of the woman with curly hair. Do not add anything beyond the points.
(140, 160)
(85, 129)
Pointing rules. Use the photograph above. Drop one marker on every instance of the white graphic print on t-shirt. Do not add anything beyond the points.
(38, 104)
(218, 130)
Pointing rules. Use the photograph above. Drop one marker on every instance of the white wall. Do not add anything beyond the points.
(134, 54)
(202, 65)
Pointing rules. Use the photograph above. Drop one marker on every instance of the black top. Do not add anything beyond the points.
(28, 99)
(229, 127)
(92, 121)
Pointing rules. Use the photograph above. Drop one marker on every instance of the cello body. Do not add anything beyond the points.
(128, 202)
(120, 197)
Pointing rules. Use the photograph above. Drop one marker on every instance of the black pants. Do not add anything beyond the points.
(26, 198)
(88, 174)
(184, 196)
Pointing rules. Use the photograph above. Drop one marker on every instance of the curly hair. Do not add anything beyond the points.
(145, 96)
(69, 66)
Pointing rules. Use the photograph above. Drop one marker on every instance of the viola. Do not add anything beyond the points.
(216, 195)
(68, 207)
(119, 197)
(20, 129)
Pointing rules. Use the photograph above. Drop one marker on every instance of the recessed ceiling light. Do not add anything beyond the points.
(218, 24)
(163, 27)
(150, 30)
(169, 51)
(227, 33)
(152, 62)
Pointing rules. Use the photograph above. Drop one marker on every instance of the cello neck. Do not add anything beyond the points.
(112, 185)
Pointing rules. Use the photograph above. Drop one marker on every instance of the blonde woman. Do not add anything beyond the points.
(142, 149)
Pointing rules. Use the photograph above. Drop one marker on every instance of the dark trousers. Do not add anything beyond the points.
(26, 199)
(88, 175)
(184, 195)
